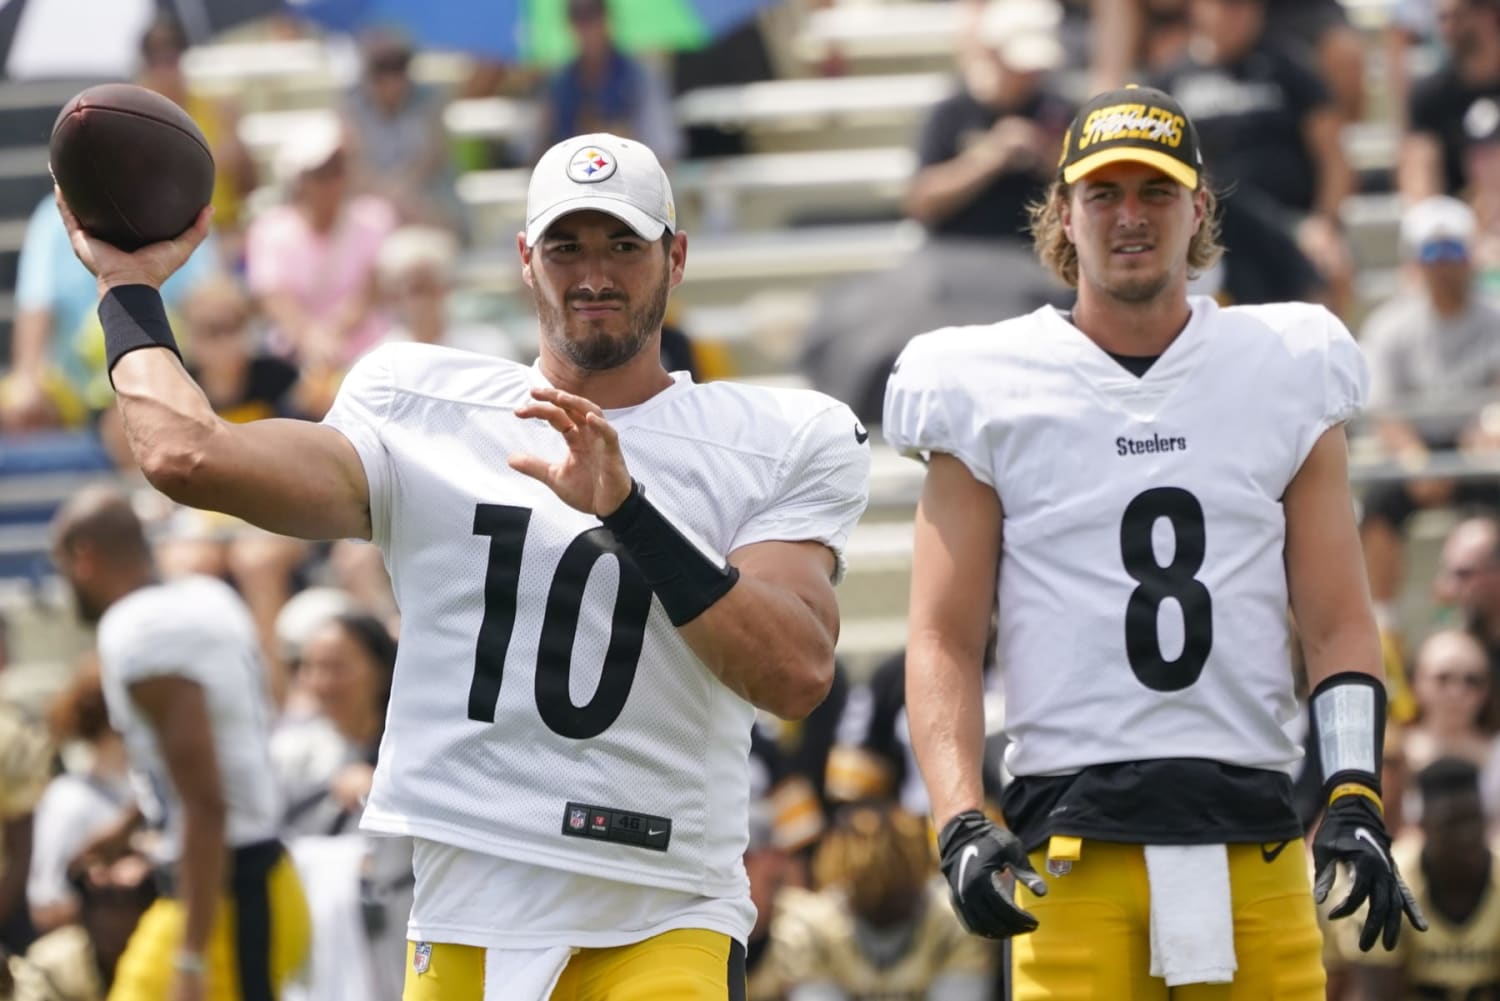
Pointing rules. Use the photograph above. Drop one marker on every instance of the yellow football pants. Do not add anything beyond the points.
(1094, 941)
(686, 965)
(259, 940)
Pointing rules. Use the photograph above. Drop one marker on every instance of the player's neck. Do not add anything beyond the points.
(627, 385)
(1140, 329)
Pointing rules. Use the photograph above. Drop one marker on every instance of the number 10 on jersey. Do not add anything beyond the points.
(506, 527)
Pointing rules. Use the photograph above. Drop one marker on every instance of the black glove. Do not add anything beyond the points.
(974, 852)
(1353, 832)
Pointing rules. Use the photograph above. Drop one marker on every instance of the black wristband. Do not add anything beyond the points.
(686, 581)
(133, 316)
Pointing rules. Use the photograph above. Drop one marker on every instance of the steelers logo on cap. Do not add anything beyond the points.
(591, 164)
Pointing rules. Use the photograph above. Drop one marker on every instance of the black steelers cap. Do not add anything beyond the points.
(1136, 125)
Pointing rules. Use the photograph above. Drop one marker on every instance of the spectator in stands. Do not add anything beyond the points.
(796, 815)
(605, 90)
(417, 270)
(55, 330)
(77, 961)
(398, 138)
(1444, 105)
(1419, 31)
(1147, 35)
(325, 764)
(1451, 681)
(1133, 38)
(311, 261)
(988, 151)
(78, 805)
(223, 354)
(1468, 579)
(878, 925)
(235, 176)
(872, 759)
(1436, 346)
(1270, 132)
(25, 769)
(1455, 878)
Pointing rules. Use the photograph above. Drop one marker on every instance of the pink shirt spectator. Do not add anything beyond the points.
(322, 271)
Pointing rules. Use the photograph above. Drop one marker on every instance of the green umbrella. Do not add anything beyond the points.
(637, 25)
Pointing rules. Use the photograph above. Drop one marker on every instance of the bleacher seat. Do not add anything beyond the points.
(37, 473)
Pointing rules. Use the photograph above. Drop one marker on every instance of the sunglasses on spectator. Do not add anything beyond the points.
(1443, 252)
(328, 171)
(1468, 573)
(391, 65)
(219, 326)
(1469, 680)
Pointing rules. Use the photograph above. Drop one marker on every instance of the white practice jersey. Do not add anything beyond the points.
(544, 708)
(1142, 590)
(195, 628)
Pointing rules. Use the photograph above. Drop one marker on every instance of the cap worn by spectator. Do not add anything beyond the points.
(1436, 229)
(310, 145)
(1023, 33)
(607, 174)
(417, 249)
(304, 614)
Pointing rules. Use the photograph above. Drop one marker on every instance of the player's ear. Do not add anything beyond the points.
(525, 253)
(1200, 207)
(677, 257)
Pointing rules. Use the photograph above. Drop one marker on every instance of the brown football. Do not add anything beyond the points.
(131, 164)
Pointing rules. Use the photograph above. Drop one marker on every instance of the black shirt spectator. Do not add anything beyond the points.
(988, 151)
(1448, 109)
(1250, 114)
(999, 208)
(1452, 112)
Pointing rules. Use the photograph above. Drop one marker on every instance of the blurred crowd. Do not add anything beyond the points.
(354, 234)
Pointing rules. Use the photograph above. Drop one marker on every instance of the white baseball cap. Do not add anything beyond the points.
(1438, 219)
(1024, 34)
(602, 172)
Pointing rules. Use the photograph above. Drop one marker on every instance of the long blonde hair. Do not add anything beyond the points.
(1056, 251)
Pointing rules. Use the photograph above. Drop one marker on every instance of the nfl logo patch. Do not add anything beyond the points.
(421, 958)
(1059, 867)
(577, 819)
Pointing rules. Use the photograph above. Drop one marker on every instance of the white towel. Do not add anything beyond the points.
(1192, 915)
(523, 974)
(329, 868)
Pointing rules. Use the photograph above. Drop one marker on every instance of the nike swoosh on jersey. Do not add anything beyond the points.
(1270, 856)
(1363, 834)
(861, 435)
(970, 853)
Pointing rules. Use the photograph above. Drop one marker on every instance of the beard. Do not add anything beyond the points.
(88, 609)
(585, 344)
(1138, 290)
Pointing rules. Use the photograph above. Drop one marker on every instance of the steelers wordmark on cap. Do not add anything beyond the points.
(590, 165)
(1133, 125)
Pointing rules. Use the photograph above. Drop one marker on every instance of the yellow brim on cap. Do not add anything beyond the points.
(1169, 165)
